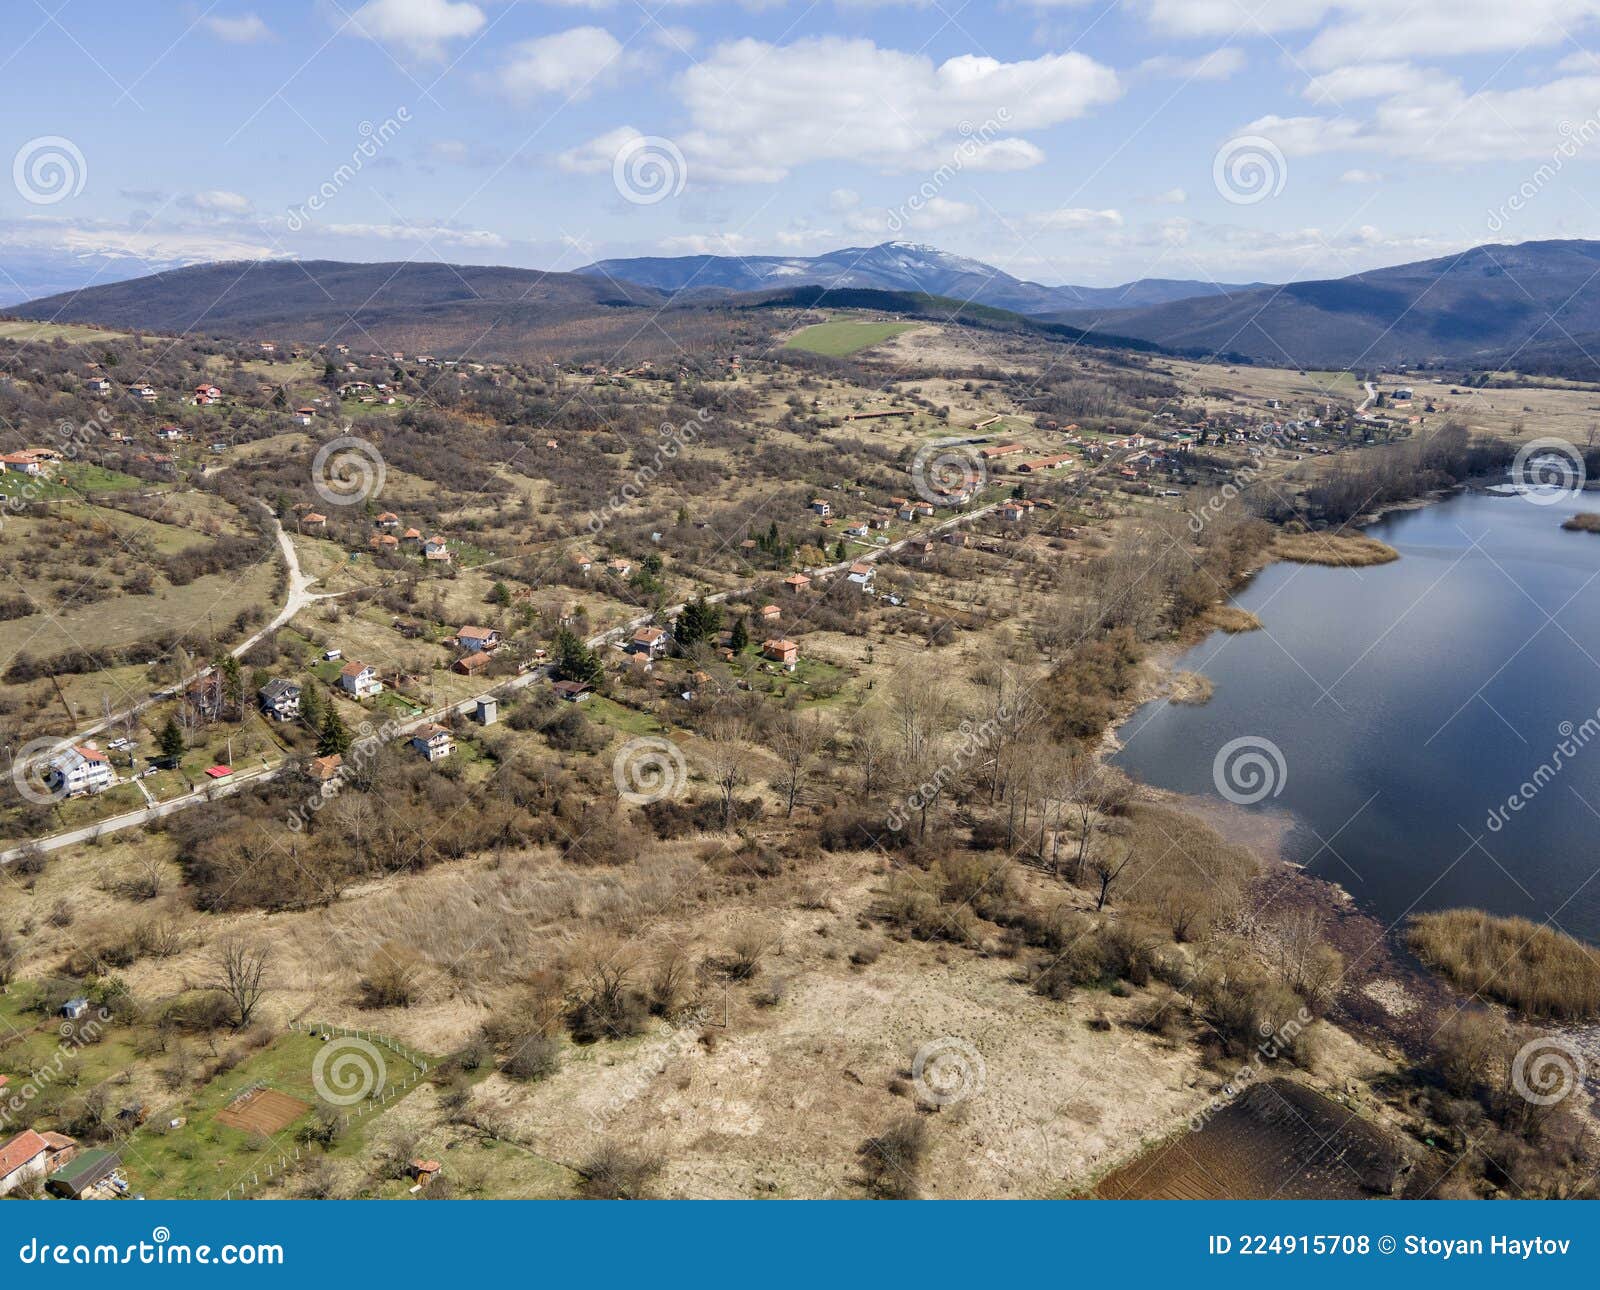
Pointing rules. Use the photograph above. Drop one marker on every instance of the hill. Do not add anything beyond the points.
(889, 266)
(1483, 306)
(490, 310)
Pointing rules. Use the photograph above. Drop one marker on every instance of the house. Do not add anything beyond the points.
(582, 561)
(859, 529)
(382, 542)
(207, 696)
(471, 664)
(412, 538)
(280, 699)
(144, 393)
(473, 639)
(360, 679)
(313, 520)
(204, 394)
(423, 1171)
(22, 463)
(81, 1175)
(436, 549)
(99, 386)
(821, 507)
(1044, 463)
(388, 520)
(76, 771)
(32, 1155)
(770, 613)
(861, 575)
(781, 651)
(488, 711)
(571, 691)
(1000, 450)
(622, 568)
(651, 641)
(797, 582)
(1013, 512)
(170, 434)
(326, 768)
(434, 742)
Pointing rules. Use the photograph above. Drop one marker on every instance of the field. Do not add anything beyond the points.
(844, 336)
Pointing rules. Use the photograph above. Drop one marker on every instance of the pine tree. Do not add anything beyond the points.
(171, 741)
(333, 737)
(739, 637)
(311, 705)
(575, 661)
(838, 550)
(232, 683)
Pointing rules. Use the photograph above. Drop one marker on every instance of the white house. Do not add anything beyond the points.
(434, 742)
(76, 771)
(360, 679)
(280, 699)
(861, 575)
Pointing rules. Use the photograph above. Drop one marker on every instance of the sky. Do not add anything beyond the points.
(1065, 141)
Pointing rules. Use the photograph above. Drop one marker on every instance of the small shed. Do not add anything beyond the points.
(83, 1173)
(487, 711)
(72, 1009)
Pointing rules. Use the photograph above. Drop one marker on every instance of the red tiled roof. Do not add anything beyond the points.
(21, 1149)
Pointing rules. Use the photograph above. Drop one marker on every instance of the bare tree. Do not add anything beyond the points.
(798, 742)
(241, 975)
(921, 716)
(725, 756)
(1107, 873)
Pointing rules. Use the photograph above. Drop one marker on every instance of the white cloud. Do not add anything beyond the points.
(597, 154)
(567, 63)
(418, 27)
(1218, 65)
(1437, 120)
(927, 217)
(1172, 197)
(1368, 81)
(218, 201)
(843, 199)
(759, 110)
(435, 233)
(245, 29)
(154, 246)
(1076, 218)
(1361, 177)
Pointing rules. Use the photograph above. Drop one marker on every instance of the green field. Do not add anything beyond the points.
(844, 336)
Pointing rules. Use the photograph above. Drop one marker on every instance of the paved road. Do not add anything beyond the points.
(299, 597)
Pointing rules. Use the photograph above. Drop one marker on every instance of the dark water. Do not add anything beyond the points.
(1406, 703)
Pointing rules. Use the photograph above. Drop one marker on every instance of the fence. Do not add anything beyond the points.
(384, 1095)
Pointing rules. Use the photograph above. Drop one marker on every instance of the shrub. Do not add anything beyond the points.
(893, 1160)
(617, 1173)
(1536, 969)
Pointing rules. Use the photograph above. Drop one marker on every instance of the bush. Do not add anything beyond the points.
(616, 1173)
(532, 1057)
(1542, 972)
(893, 1160)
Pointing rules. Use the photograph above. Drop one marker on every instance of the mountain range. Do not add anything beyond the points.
(1534, 306)
(889, 266)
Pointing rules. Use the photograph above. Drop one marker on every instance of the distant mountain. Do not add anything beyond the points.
(1489, 305)
(890, 266)
(399, 305)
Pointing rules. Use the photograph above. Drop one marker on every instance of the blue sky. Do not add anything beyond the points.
(1065, 142)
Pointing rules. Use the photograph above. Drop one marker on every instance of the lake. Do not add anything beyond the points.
(1422, 722)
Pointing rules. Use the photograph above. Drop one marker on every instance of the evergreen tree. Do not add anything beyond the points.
(232, 683)
(739, 637)
(333, 737)
(839, 550)
(171, 741)
(500, 594)
(311, 704)
(575, 661)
